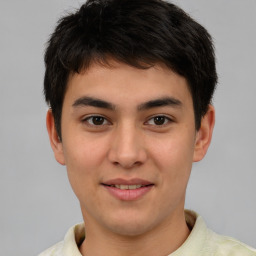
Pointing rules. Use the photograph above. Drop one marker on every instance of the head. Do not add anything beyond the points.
(129, 83)
(140, 33)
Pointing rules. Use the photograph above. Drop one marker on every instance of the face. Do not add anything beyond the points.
(128, 142)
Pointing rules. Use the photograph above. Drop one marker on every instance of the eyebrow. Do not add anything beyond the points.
(98, 103)
(94, 102)
(162, 102)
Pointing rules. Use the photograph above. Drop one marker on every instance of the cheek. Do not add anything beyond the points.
(173, 157)
(83, 160)
(82, 153)
(175, 151)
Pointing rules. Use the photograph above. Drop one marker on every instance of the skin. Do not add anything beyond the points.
(128, 142)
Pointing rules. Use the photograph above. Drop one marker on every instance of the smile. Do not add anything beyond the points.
(128, 190)
(125, 187)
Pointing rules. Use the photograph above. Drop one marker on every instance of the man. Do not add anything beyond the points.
(129, 84)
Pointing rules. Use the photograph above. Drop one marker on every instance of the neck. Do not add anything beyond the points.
(161, 240)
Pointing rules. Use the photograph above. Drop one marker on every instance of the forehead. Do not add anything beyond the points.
(119, 82)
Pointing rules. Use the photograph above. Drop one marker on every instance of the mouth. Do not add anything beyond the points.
(127, 190)
(127, 187)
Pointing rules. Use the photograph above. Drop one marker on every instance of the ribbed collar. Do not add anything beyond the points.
(194, 244)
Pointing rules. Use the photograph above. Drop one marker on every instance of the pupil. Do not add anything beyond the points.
(159, 120)
(98, 120)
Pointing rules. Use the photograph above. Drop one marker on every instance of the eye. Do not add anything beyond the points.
(96, 120)
(159, 120)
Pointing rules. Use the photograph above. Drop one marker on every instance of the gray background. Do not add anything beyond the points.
(37, 204)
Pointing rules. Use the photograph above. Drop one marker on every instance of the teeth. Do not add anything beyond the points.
(127, 186)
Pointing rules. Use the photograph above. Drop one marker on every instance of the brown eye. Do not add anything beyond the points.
(96, 120)
(159, 120)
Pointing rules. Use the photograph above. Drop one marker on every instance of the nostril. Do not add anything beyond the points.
(128, 165)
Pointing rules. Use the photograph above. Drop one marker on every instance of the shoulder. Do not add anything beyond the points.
(55, 250)
(70, 245)
(204, 241)
(228, 246)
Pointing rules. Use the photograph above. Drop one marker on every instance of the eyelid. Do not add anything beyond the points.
(108, 122)
(88, 117)
(168, 118)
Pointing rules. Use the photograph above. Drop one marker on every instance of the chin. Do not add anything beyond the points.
(130, 230)
(131, 226)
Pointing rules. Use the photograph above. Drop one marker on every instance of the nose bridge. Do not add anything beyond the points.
(127, 148)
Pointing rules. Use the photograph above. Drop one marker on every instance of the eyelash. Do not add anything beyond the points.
(87, 120)
(167, 120)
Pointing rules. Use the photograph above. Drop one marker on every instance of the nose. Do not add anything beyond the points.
(127, 148)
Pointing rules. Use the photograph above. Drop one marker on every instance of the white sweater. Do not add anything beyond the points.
(201, 242)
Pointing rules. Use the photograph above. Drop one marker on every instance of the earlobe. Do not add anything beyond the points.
(204, 134)
(56, 143)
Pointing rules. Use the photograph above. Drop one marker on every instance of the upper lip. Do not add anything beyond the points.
(134, 181)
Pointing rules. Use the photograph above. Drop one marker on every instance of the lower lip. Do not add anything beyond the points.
(128, 194)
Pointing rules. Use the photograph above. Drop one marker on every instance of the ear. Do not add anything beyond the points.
(55, 141)
(204, 134)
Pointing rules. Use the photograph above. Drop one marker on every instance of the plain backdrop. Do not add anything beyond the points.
(37, 203)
